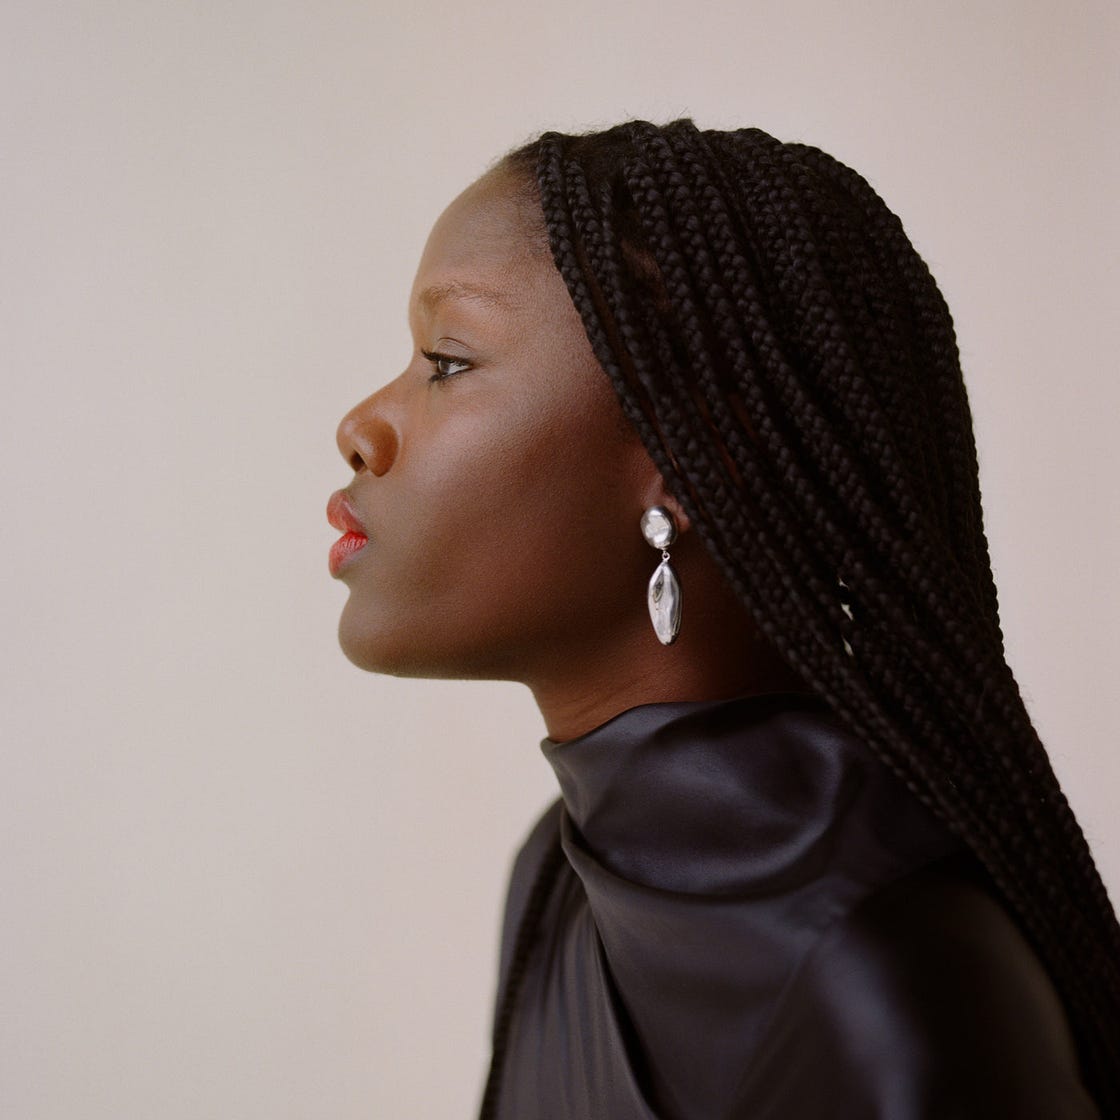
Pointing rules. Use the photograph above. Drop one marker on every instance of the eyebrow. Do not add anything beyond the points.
(431, 296)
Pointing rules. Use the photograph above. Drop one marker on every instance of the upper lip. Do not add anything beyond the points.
(341, 515)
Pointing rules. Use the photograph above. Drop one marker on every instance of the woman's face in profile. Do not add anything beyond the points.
(495, 481)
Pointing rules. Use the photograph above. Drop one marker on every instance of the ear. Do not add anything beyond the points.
(656, 494)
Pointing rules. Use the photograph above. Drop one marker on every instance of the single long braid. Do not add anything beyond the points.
(791, 367)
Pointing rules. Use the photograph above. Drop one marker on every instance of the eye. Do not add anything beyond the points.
(445, 365)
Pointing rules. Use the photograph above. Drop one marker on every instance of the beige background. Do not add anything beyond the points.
(240, 878)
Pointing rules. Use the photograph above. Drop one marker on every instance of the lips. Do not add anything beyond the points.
(341, 516)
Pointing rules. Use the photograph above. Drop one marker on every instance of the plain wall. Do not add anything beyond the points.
(242, 879)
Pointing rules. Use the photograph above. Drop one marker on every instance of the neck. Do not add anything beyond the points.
(710, 661)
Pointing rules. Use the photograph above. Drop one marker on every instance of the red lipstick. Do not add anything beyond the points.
(354, 537)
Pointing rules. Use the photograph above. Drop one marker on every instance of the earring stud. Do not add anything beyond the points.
(663, 595)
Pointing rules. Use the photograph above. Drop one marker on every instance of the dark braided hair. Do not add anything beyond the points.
(791, 367)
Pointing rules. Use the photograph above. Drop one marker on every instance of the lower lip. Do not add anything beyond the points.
(344, 548)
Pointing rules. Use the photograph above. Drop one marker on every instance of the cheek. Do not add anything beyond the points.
(556, 508)
(545, 520)
(527, 502)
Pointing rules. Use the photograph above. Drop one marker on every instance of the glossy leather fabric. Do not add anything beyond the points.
(754, 919)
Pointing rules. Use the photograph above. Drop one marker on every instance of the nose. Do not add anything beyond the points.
(367, 437)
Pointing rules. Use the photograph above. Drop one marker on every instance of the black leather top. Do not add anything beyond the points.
(755, 919)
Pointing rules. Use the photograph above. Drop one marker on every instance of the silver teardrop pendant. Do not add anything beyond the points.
(664, 600)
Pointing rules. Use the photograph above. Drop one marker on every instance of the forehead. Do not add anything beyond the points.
(489, 244)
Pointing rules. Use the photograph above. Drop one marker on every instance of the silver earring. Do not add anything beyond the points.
(664, 594)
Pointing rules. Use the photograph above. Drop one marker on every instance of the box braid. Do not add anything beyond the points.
(791, 367)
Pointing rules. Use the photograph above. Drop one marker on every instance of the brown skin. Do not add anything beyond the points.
(502, 501)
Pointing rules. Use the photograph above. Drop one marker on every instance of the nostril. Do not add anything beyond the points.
(355, 461)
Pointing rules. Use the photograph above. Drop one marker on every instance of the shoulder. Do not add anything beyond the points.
(542, 838)
(926, 1000)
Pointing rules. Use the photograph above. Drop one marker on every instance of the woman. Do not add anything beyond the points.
(810, 858)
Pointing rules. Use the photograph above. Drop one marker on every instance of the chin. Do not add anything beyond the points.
(401, 651)
(369, 650)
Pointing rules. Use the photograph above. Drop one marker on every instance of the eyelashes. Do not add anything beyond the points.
(445, 365)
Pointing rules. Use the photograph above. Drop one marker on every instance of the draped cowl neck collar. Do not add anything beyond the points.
(731, 797)
(754, 917)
